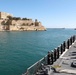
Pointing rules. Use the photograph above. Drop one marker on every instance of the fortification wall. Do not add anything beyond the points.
(18, 24)
(21, 22)
(3, 15)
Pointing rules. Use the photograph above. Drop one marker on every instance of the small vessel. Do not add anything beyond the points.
(75, 29)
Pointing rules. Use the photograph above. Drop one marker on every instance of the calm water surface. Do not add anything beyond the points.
(19, 50)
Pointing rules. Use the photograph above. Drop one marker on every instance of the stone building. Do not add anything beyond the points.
(3, 15)
(17, 24)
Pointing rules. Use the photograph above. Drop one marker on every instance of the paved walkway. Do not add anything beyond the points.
(63, 64)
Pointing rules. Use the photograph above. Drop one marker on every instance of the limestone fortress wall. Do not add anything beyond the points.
(3, 15)
(8, 22)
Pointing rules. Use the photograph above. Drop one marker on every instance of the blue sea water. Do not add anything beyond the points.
(19, 50)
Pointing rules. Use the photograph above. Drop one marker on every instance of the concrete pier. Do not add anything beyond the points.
(63, 65)
(61, 61)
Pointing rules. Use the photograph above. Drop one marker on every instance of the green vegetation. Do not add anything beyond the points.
(13, 18)
(9, 17)
(24, 19)
(16, 18)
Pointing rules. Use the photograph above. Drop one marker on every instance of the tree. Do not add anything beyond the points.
(16, 18)
(24, 19)
(10, 17)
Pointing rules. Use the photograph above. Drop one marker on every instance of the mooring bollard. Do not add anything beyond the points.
(74, 38)
(52, 58)
(49, 58)
(64, 45)
(71, 40)
(68, 44)
(54, 54)
(57, 52)
(61, 48)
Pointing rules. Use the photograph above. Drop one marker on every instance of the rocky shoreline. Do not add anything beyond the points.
(22, 28)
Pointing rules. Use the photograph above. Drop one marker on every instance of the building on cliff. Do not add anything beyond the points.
(3, 15)
(8, 22)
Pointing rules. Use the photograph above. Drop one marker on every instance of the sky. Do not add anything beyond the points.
(52, 13)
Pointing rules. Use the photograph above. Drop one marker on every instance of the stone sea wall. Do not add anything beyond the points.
(26, 28)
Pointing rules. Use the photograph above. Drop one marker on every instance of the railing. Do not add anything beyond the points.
(51, 57)
(34, 68)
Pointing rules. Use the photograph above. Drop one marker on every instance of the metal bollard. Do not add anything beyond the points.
(49, 58)
(68, 44)
(71, 40)
(57, 52)
(61, 48)
(64, 45)
(54, 54)
(52, 58)
(74, 38)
